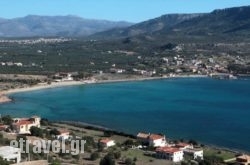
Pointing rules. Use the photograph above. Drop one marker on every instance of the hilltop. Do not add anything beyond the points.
(217, 25)
(48, 26)
(146, 27)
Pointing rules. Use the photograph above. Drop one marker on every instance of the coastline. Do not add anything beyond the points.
(72, 83)
(5, 99)
(133, 136)
(42, 86)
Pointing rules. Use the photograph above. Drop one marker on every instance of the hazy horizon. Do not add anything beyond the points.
(111, 10)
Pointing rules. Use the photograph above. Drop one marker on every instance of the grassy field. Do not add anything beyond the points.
(134, 154)
(137, 154)
(208, 151)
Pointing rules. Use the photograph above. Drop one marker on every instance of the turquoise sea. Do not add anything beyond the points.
(208, 110)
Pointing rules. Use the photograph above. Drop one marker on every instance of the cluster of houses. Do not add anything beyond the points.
(10, 63)
(19, 126)
(144, 72)
(22, 126)
(176, 152)
(163, 150)
(117, 70)
(35, 41)
(59, 77)
(172, 152)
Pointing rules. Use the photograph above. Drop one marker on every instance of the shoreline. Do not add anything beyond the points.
(4, 98)
(126, 134)
(73, 83)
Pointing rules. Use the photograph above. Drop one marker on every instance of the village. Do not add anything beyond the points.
(155, 148)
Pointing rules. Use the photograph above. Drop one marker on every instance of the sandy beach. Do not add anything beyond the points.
(4, 99)
(4, 94)
(43, 86)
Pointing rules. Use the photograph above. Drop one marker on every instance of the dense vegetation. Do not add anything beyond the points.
(221, 33)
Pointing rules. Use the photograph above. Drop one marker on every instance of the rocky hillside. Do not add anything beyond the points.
(47, 26)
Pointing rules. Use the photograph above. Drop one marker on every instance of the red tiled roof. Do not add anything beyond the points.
(23, 122)
(3, 127)
(105, 141)
(63, 131)
(180, 145)
(170, 150)
(155, 137)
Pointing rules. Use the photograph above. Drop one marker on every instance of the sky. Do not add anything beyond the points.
(114, 10)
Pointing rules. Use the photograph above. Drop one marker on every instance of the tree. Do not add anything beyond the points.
(129, 142)
(117, 154)
(35, 131)
(7, 120)
(55, 162)
(129, 161)
(44, 122)
(3, 162)
(195, 143)
(54, 132)
(94, 156)
(108, 160)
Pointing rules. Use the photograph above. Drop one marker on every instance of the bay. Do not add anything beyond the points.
(208, 110)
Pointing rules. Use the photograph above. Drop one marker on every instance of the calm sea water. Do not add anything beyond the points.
(208, 110)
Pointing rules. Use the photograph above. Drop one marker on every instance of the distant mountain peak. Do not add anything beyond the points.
(47, 26)
(222, 23)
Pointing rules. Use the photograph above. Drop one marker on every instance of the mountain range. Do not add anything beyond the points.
(47, 26)
(146, 27)
(224, 23)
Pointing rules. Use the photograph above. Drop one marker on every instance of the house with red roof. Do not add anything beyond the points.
(143, 137)
(169, 153)
(23, 125)
(106, 143)
(195, 153)
(63, 135)
(3, 127)
(156, 140)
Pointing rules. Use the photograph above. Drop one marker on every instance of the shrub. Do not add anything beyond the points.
(117, 154)
(35, 131)
(107, 160)
(94, 156)
(129, 161)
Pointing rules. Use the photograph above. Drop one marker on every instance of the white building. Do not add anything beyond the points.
(156, 140)
(63, 77)
(23, 125)
(143, 137)
(10, 153)
(195, 153)
(18, 64)
(243, 160)
(63, 135)
(169, 153)
(106, 143)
